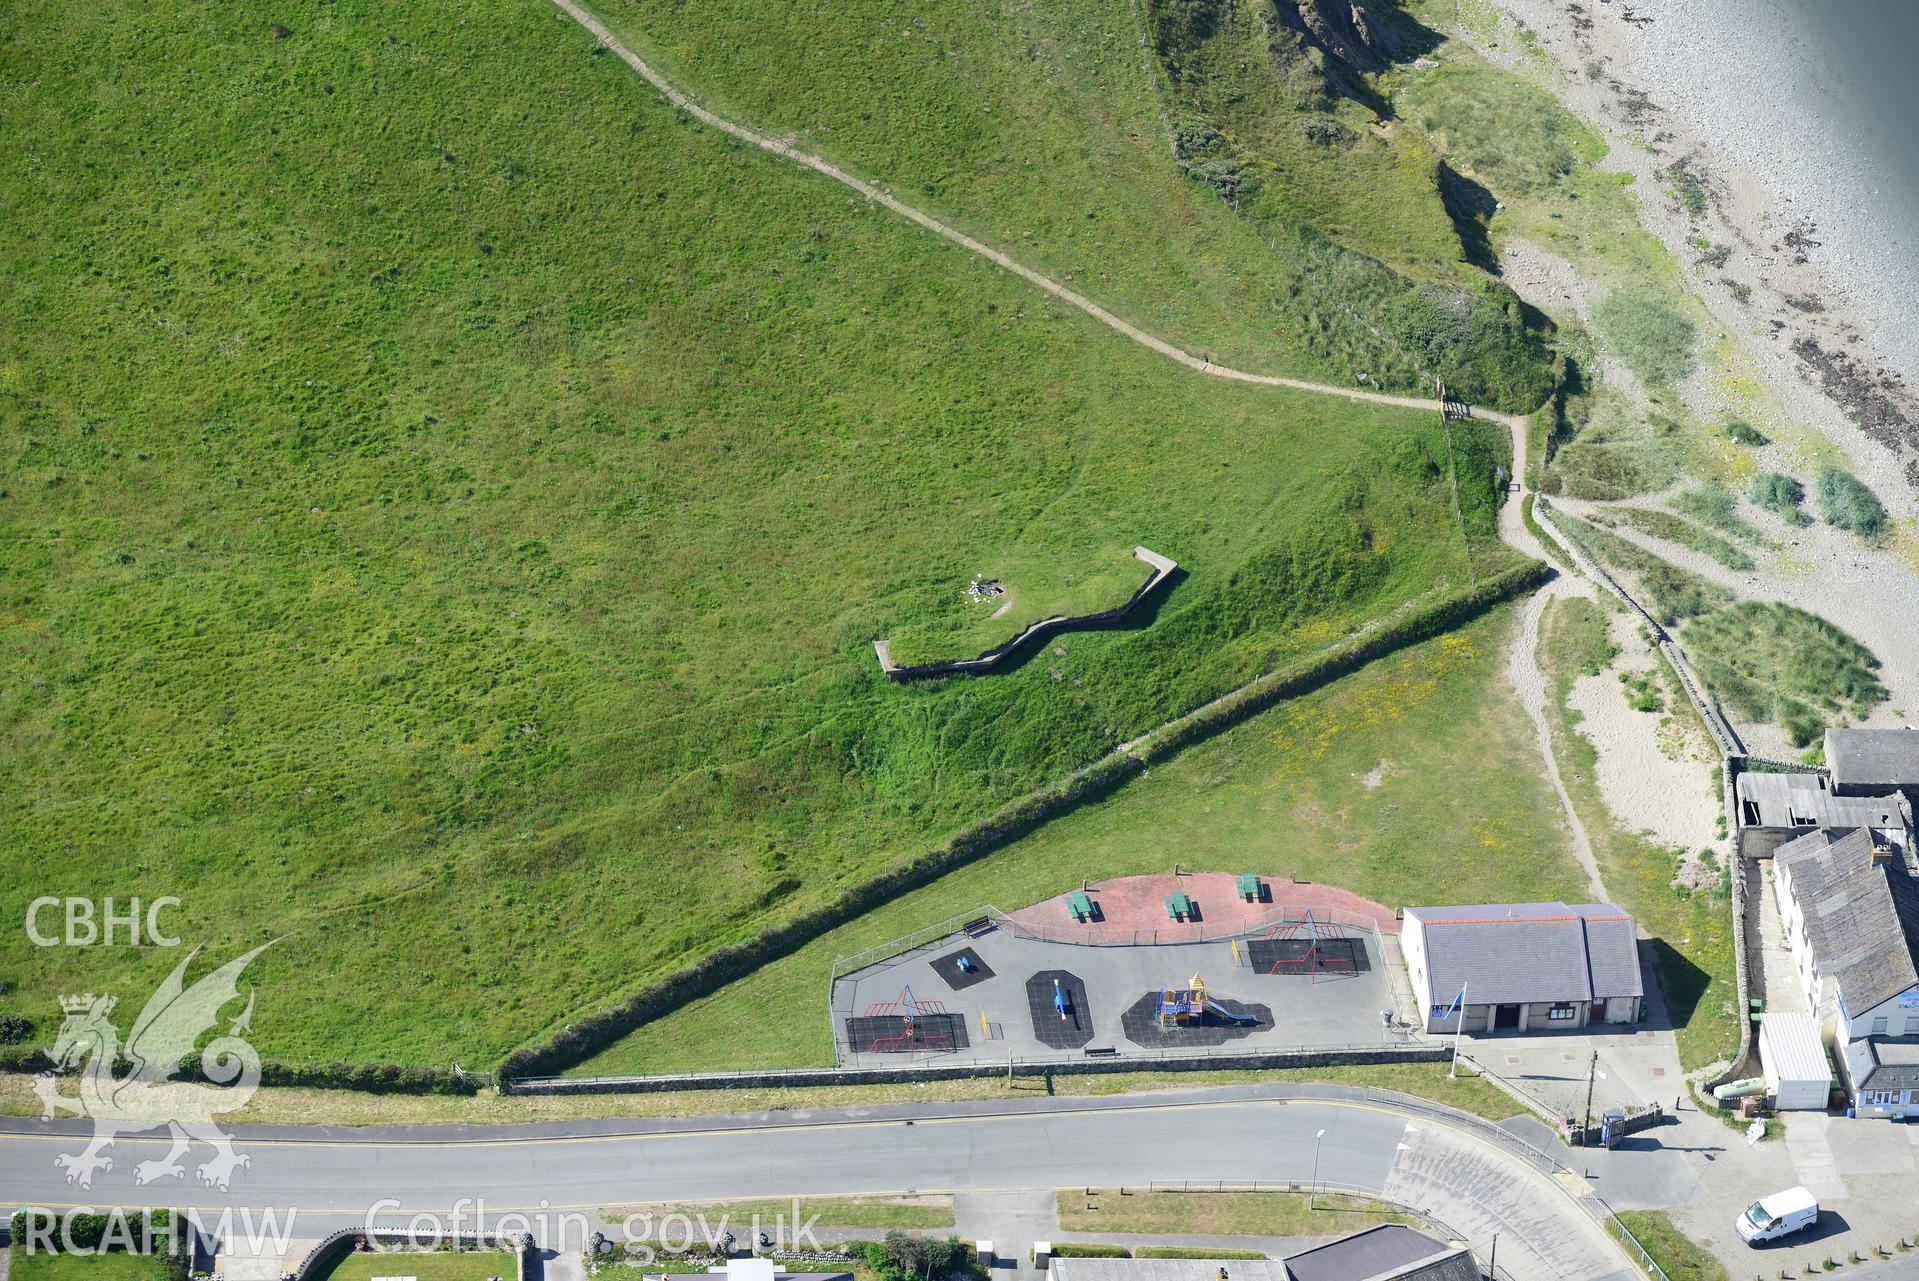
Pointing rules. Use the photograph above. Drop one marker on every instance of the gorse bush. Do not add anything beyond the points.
(1746, 434)
(1845, 502)
(1780, 494)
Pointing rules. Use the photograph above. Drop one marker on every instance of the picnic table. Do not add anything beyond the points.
(1080, 905)
(1249, 887)
(1178, 906)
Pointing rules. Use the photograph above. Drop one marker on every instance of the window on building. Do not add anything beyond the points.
(1562, 1012)
(1879, 1026)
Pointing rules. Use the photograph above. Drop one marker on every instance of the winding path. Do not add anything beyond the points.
(1528, 681)
(787, 151)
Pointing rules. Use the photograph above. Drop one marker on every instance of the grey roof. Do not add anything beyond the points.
(1804, 800)
(1885, 1063)
(1873, 757)
(1509, 953)
(1167, 1269)
(1391, 1252)
(1862, 913)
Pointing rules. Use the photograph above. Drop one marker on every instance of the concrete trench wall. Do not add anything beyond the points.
(1164, 569)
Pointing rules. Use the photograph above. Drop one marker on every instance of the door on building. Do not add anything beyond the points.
(1506, 1016)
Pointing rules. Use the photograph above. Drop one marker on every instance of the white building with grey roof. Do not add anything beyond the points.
(1523, 966)
(1849, 902)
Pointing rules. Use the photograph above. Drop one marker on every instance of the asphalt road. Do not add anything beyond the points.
(1463, 1179)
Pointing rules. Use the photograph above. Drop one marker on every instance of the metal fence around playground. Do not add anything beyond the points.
(1093, 934)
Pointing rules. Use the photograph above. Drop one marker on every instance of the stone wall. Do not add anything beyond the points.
(793, 1078)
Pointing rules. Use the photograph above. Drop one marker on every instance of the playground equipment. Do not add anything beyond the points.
(1185, 1006)
(1059, 1001)
(909, 1011)
(1310, 946)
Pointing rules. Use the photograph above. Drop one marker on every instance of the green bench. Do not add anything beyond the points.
(1080, 905)
(1178, 906)
(1249, 887)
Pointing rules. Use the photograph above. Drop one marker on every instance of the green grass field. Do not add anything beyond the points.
(1413, 780)
(449, 497)
(1247, 1214)
(38, 1265)
(447, 1265)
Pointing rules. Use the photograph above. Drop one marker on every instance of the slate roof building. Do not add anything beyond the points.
(1792, 802)
(1867, 762)
(1391, 1252)
(1523, 966)
(1849, 902)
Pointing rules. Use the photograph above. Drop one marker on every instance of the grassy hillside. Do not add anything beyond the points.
(1049, 130)
(1412, 781)
(449, 499)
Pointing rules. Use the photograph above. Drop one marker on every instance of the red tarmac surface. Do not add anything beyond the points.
(1132, 908)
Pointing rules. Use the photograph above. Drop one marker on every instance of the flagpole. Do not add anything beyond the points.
(1459, 1031)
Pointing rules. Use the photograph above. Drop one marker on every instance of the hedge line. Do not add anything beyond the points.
(377, 1078)
(596, 1031)
(1193, 1252)
(1089, 1250)
(163, 1233)
(1406, 629)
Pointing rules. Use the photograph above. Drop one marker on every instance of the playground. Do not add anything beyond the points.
(1133, 968)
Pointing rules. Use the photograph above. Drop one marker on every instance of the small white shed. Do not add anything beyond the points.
(1793, 1059)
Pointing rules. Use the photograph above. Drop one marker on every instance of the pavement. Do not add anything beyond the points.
(561, 1175)
(1308, 1011)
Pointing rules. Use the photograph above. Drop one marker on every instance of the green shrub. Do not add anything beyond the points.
(901, 1256)
(1846, 503)
(1653, 340)
(161, 1233)
(1192, 1252)
(1781, 494)
(1642, 691)
(14, 1028)
(1746, 434)
(1090, 1250)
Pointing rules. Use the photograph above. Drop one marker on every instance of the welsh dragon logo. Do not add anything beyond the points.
(147, 1097)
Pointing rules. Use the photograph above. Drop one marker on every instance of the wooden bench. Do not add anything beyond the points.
(1178, 906)
(1080, 905)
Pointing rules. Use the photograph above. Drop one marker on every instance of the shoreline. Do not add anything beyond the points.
(1799, 327)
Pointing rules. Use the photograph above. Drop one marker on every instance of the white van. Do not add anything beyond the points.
(1778, 1215)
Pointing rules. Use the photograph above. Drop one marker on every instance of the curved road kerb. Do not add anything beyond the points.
(1466, 1172)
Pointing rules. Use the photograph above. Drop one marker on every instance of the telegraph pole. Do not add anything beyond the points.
(1592, 1070)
